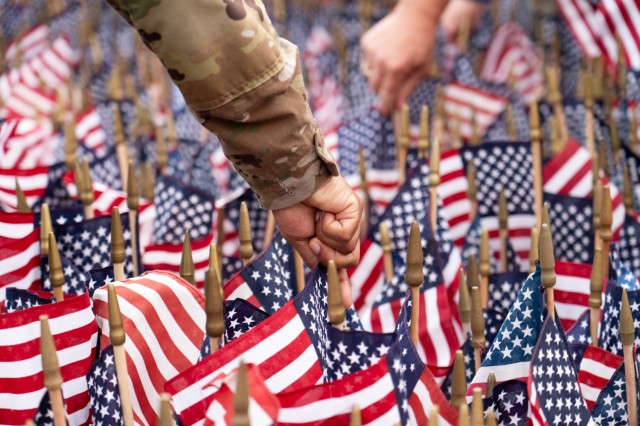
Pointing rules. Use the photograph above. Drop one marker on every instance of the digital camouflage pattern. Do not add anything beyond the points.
(243, 83)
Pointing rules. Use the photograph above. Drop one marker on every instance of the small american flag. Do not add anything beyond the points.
(163, 318)
(553, 386)
(597, 367)
(103, 390)
(571, 223)
(268, 281)
(74, 330)
(595, 25)
(461, 102)
(510, 402)
(510, 354)
(580, 332)
(505, 166)
(511, 52)
(179, 208)
(167, 256)
(20, 263)
(503, 289)
(611, 407)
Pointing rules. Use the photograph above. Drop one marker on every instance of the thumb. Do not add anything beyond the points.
(308, 252)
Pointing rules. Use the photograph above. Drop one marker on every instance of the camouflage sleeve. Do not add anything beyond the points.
(244, 83)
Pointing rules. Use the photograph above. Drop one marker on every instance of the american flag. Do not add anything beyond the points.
(290, 347)
(29, 44)
(89, 131)
(180, 207)
(571, 223)
(469, 368)
(571, 291)
(268, 281)
(26, 143)
(511, 52)
(20, 263)
(595, 25)
(74, 330)
(456, 207)
(19, 299)
(163, 318)
(396, 387)
(611, 407)
(553, 386)
(367, 277)
(629, 244)
(263, 406)
(15, 226)
(503, 289)
(610, 322)
(33, 183)
(461, 102)
(240, 316)
(510, 402)
(99, 277)
(570, 173)
(505, 165)
(103, 390)
(167, 256)
(510, 354)
(597, 367)
(88, 244)
(580, 332)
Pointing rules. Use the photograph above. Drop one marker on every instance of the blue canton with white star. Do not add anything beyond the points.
(103, 390)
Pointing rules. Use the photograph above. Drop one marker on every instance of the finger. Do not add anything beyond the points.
(345, 288)
(388, 91)
(376, 74)
(408, 86)
(326, 253)
(339, 233)
(306, 253)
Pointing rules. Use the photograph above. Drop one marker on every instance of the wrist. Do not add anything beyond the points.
(427, 11)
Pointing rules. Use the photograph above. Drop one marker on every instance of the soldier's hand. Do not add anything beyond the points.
(326, 226)
(458, 12)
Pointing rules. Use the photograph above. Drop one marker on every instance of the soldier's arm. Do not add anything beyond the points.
(243, 83)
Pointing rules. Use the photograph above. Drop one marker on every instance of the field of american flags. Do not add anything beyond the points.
(524, 265)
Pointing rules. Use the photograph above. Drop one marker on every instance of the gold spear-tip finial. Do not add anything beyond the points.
(246, 244)
(187, 269)
(213, 304)
(414, 275)
(118, 254)
(116, 329)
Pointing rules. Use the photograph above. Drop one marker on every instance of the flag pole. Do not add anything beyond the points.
(458, 382)
(403, 143)
(241, 398)
(533, 249)
(627, 191)
(269, 228)
(133, 203)
(627, 335)
(366, 199)
(595, 296)
(165, 418)
(434, 181)
(147, 182)
(548, 266)
(535, 133)
(356, 416)
(187, 269)
(491, 384)
(463, 415)
(477, 408)
(299, 268)
(503, 222)
(117, 337)
(414, 276)
(423, 138)
(121, 148)
(605, 229)
(555, 99)
(596, 207)
(56, 276)
(385, 243)
(464, 304)
(491, 418)
(86, 193)
(335, 305)
(588, 118)
(472, 190)
(244, 225)
(434, 416)
(214, 263)
(478, 341)
(51, 371)
(118, 255)
(484, 268)
(46, 227)
(214, 309)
